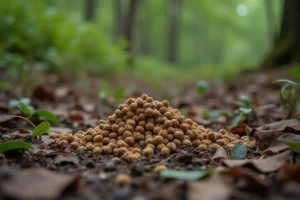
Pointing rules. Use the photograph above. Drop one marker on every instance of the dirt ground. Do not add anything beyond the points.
(50, 171)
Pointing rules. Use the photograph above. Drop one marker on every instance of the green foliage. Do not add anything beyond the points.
(47, 38)
(14, 145)
(289, 97)
(245, 110)
(185, 175)
(41, 129)
(294, 145)
(239, 151)
(23, 104)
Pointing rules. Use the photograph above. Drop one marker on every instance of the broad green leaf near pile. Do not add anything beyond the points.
(239, 151)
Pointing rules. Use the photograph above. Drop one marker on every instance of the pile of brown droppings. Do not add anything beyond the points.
(142, 125)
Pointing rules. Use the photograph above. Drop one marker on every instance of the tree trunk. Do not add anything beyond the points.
(90, 10)
(144, 31)
(129, 30)
(118, 19)
(286, 48)
(173, 32)
(270, 19)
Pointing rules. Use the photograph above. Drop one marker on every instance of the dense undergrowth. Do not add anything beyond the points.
(52, 40)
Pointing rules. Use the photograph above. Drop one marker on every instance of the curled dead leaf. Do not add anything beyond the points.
(270, 164)
(266, 136)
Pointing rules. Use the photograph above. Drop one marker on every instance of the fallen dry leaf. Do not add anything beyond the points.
(264, 165)
(34, 183)
(212, 188)
(220, 154)
(239, 129)
(266, 136)
(75, 116)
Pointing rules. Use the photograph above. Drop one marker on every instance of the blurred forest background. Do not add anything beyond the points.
(185, 39)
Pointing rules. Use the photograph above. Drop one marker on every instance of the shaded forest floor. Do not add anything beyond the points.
(90, 176)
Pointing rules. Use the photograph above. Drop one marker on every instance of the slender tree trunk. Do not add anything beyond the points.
(286, 48)
(90, 6)
(144, 30)
(118, 19)
(270, 19)
(129, 30)
(174, 8)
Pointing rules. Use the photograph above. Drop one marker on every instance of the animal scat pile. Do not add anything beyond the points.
(142, 125)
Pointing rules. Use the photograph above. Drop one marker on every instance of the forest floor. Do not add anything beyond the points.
(270, 170)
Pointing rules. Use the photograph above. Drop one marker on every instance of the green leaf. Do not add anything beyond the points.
(285, 81)
(14, 145)
(47, 115)
(214, 114)
(294, 145)
(25, 100)
(237, 120)
(13, 103)
(26, 109)
(245, 100)
(186, 175)
(119, 93)
(41, 129)
(245, 111)
(265, 106)
(239, 151)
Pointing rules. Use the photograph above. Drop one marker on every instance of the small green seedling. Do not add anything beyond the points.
(14, 145)
(239, 151)
(39, 130)
(289, 97)
(24, 105)
(202, 87)
(246, 111)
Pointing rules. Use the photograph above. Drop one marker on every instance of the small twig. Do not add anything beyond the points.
(165, 160)
(16, 116)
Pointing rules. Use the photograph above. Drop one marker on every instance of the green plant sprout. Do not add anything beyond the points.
(24, 105)
(289, 97)
(202, 87)
(246, 111)
(38, 130)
